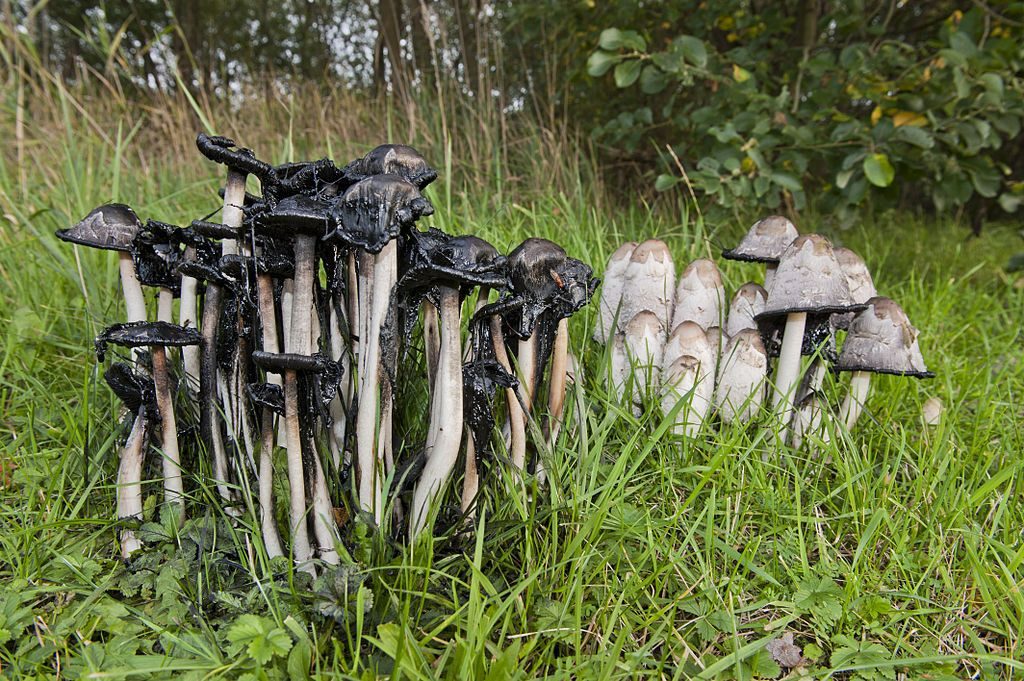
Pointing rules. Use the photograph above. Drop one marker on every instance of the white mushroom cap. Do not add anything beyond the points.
(882, 340)
(645, 346)
(746, 304)
(765, 241)
(690, 339)
(808, 279)
(649, 283)
(809, 421)
(685, 379)
(700, 295)
(742, 379)
(858, 278)
(611, 290)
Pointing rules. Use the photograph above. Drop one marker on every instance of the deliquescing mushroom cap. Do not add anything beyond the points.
(765, 241)
(134, 389)
(111, 227)
(882, 340)
(145, 334)
(375, 210)
(298, 214)
(289, 361)
(434, 258)
(156, 252)
(394, 159)
(808, 279)
(547, 281)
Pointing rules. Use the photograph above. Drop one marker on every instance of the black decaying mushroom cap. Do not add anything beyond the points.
(224, 151)
(145, 334)
(111, 227)
(156, 252)
(288, 361)
(882, 340)
(375, 210)
(481, 378)
(393, 159)
(297, 214)
(214, 230)
(267, 396)
(134, 389)
(546, 282)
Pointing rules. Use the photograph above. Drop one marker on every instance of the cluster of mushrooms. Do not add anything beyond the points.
(680, 344)
(303, 316)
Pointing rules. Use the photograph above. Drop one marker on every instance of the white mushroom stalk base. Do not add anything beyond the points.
(787, 374)
(556, 391)
(445, 434)
(188, 316)
(129, 482)
(856, 398)
(301, 549)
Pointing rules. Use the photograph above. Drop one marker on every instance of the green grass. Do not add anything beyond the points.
(895, 549)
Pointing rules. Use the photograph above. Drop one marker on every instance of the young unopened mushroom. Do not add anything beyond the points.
(113, 227)
(686, 377)
(765, 242)
(611, 291)
(808, 280)
(881, 340)
(649, 284)
(742, 378)
(746, 304)
(700, 295)
(689, 338)
(645, 347)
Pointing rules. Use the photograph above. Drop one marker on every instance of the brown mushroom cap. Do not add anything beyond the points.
(882, 340)
(765, 241)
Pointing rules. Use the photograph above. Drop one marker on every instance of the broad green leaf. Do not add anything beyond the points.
(879, 170)
(599, 63)
(1010, 202)
(843, 178)
(627, 72)
(962, 43)
(275, 643)
(740, 74)
(993, 83)
(633, 41)
(611, 39)
(666, 182)
(787, 181)
(299, 661)
(916, 136)
(693, 50)
(652, 80)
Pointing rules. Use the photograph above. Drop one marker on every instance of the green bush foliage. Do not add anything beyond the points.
(908, 106)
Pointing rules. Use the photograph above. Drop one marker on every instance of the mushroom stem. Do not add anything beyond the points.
(271, 538)
(371, 473)
(471, 481)
(134, 301)
(301, 550)
(516, 417)
(188, 316)
(446, 418)
(853, 405)
(339, 405)
(788, 372)
(301, 342)
(209, 410)
(556, 389)
(431, 341)
(174, 490)
(129, 482)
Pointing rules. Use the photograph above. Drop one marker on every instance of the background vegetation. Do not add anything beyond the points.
(894, 552)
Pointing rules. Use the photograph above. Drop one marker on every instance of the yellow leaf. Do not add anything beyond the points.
(876, 115)
(732, 37)
(909, 118)
(747, 165)
(740, 74)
